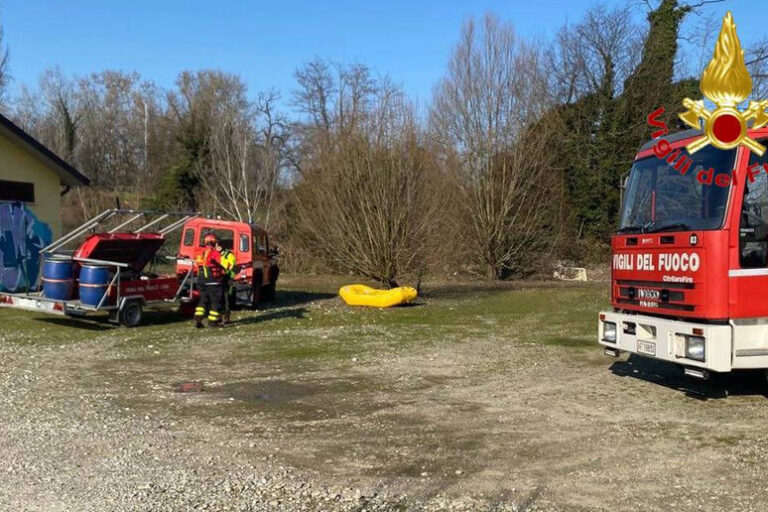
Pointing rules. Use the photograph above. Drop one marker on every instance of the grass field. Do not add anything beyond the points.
(481, 396)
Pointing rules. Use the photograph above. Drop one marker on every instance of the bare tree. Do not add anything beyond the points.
(201, 98)
(27, 110)
(273, 145)
(756, 57)
(114, 132)
(246, 154)
(5, 74)
(364, 209)
(315, 92)
(363, 199)
(484, 112)
(605, 42)
(60, 126)
(336, 99)
(700, 33)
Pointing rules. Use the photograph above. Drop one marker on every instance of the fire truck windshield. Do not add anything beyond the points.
(659, 198)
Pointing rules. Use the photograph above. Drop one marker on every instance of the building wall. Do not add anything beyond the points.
(17, 164)
(25, 228)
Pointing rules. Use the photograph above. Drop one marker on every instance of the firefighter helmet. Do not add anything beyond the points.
(210, 239)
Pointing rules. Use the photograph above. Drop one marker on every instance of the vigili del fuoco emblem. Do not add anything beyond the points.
(726, 82)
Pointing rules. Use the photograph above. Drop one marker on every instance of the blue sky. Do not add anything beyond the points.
(265, 41)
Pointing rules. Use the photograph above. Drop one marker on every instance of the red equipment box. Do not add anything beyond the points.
(134, 249)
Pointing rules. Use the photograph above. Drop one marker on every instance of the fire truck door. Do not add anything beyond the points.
(750, 277)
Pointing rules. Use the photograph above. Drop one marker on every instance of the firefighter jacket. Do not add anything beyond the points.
(228, 263)
(209, 267)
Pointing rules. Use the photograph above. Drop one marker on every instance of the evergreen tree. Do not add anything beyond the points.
(604, 131)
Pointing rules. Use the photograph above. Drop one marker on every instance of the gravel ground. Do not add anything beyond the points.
(308, 406)
(66, 449)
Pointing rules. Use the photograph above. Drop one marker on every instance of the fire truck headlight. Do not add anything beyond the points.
(609, 332)
(694, 347)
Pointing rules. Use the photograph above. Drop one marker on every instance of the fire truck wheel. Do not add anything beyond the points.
(131, 314)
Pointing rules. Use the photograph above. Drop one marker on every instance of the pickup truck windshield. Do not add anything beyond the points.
(659, 198)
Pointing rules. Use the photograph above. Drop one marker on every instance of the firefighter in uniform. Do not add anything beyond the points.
(228, 281)
(209, 280)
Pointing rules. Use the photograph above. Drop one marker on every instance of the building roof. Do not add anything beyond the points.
(69, 175)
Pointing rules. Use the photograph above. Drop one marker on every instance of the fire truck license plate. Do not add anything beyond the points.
(646, 347)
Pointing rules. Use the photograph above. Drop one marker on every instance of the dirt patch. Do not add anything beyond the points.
(270, 391)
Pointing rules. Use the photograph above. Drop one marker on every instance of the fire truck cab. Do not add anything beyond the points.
(256, 267)
(689, 278)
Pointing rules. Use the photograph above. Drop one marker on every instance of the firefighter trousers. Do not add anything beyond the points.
(210, 302)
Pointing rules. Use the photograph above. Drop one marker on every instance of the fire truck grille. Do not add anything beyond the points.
(670, 296)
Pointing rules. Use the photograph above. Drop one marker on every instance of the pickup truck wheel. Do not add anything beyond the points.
(132, 314)
(256, 290)
(232, 297)
(268, 292)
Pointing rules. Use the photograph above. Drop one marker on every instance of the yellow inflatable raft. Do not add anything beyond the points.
(361, 295)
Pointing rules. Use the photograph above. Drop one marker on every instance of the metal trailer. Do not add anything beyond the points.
(130, 289)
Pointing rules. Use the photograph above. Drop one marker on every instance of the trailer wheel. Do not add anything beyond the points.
(132, 314)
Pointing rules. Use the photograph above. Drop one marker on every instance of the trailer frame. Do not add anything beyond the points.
(124, 309)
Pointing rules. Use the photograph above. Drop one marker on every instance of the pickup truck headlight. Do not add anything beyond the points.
(694, 347)
(609, 332)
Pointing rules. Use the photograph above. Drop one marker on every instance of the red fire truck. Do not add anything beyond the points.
(689, 276)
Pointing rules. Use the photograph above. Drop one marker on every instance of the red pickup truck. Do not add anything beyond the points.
(256, 261)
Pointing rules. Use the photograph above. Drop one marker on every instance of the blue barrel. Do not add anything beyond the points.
(58, 277)
(94, 280)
